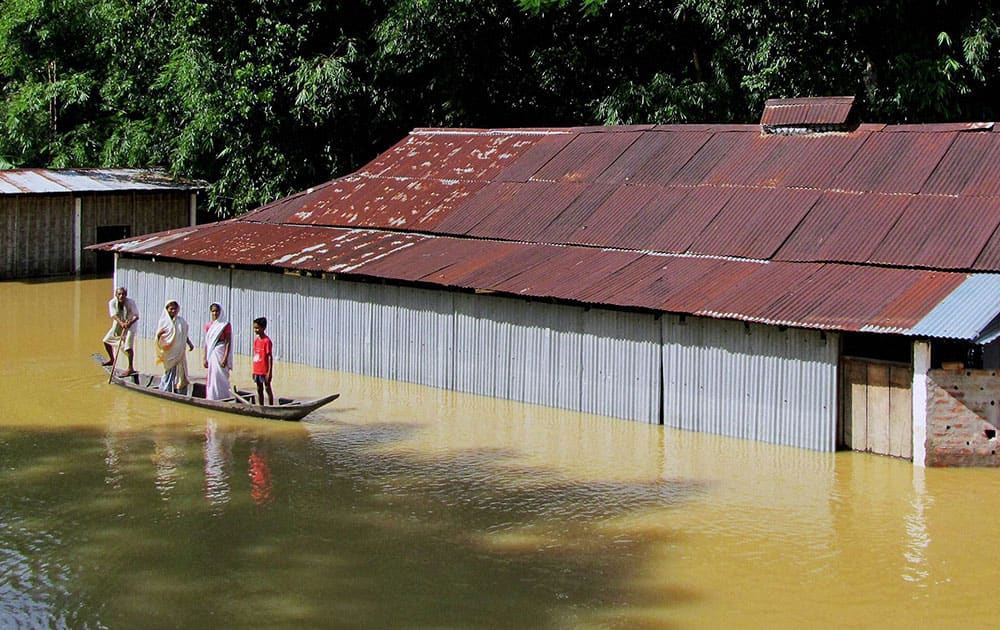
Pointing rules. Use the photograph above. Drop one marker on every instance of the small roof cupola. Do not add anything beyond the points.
(806, 115)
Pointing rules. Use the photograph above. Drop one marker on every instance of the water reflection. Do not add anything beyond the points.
(25, 575)
(166, 456)
(918, 535)
(218, 455)
(403, 506)
(259, 473)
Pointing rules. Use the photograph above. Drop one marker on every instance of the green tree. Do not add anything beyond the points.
(252, 96)
(897, 58)
(48, 76)
(257, 97)
(265, 97)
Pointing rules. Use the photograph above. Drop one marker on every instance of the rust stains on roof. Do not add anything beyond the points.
(414, 204)
(755, 222)
(940, 232)
(843, 227)
(894, 162)
(868, 228)
(829, 110)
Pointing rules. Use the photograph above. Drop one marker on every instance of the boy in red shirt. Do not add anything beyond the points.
(262, 360)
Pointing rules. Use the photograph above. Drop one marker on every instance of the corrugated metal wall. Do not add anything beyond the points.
(37, 230)
(8, 235)
(143, 212)
(755, 382)
(751, 381)
(593, 360)
(38, 235)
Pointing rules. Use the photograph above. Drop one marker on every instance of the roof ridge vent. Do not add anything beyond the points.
(814, 114)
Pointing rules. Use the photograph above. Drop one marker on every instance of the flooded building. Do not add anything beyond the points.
(810, 280)
(48, 217)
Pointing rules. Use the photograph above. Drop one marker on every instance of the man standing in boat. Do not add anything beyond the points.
(124, 313)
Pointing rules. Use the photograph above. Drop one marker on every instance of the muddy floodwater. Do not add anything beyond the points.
(401, 506)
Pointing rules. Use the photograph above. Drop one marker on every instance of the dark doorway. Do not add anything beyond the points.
(105, 233)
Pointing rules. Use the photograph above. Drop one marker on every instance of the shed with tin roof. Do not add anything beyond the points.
(48, 217)
(806, 281)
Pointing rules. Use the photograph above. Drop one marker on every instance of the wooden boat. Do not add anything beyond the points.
(241, 402)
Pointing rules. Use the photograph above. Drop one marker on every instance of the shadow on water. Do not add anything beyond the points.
(329, 525)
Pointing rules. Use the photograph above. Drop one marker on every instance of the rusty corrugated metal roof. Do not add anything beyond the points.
(868, 229)
(793, 112)
(971, 166)
(48, 181)
(809, 161)
(755, 222)
(451, 154)
(654, 157)
(586, 157)
(402, 204)
(527, 210)
(940, 232)
(894, 162)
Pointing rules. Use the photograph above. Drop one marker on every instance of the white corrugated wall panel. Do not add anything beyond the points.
(425, 336)
(750, 381)
(592, 360)
(566, 360)
(411, 334)
(245, 306)
(384, 302)
(144, 281)
(272, 296)
(319, 322)
(550, 356)
(482, 339)
(620, 374)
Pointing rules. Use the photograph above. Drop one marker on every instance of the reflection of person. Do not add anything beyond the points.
(218, 454)
(259, 473)
(263, 361)
(124, 313)
(171, 339)
(218, 354)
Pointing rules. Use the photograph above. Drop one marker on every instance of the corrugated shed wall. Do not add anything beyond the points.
(8, 236)
(38, 230)
(38, 236)
(751, 381)
(754, 382)
(143, 212)
(596, 361)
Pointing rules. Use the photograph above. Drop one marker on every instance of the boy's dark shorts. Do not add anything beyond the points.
(260, 378)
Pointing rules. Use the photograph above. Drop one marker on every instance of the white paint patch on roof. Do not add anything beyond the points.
(300, 256)
(143, 244)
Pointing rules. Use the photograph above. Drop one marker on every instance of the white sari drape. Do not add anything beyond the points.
(171, 350)
(218, 347)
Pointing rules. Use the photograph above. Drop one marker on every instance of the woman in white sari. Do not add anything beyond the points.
(171, 339)
(218, 354)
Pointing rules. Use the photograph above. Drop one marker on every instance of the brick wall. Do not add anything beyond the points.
(963, 411)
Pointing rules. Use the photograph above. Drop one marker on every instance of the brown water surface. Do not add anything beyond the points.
(405, 506)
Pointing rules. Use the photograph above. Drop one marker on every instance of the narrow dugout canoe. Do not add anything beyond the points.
(241, 402)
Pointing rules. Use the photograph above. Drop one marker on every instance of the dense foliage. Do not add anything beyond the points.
(264, 97)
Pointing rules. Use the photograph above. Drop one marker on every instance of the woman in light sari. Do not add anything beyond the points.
(171, 339)
(218, 354)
